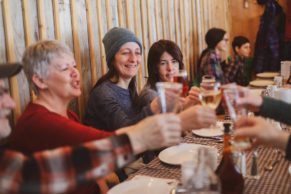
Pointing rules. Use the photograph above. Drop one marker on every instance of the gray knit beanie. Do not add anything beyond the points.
(114, 39)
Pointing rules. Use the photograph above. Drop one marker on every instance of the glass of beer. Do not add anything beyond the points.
(210, 94)
(181, 77)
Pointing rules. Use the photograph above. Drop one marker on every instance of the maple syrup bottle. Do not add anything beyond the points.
(232, 181)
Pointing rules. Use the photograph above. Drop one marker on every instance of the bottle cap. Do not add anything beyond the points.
(226, 127)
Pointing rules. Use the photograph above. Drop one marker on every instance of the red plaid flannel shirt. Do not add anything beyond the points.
(62, 169)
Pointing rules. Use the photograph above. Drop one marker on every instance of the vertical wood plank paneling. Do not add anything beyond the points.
(77, 52)
(157, 16)
(108, 14)
(120, 13)
(138, 34)
(144, 35)
(41, 19)
(101, 34)
(10, 53)
(91, 42)
(56, 19)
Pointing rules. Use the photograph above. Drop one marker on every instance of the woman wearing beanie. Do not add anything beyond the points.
(210, 59)
(112, 102)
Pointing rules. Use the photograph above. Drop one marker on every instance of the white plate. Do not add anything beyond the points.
(144, 185)
(261, 83)
(267, 74)
(178, 154)
(207, 132)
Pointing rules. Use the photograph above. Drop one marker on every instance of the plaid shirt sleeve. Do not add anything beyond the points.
(231, 71)
(63, 169)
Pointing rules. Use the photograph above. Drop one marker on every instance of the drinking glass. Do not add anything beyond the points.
(210, 94)
(182, 77)
(230, 96)
(169, 94)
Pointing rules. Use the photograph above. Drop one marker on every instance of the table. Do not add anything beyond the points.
(277, 181)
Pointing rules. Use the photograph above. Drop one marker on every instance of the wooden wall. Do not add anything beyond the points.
(245, 21)
(81, 24)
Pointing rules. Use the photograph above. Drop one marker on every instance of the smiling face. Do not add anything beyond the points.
(127, 60)
(6, 105)
(244, 50)
(63, 80)
(167, 67)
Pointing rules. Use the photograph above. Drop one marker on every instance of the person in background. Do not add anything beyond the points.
(165, 59)
(238, 69)
(66, 168)
(210, 58)
(260, 130)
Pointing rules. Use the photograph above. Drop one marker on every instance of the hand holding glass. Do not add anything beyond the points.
(169, 94)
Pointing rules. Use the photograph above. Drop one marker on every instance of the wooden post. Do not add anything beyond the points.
(182, 30)
(157, 16)
(127, 11)
(177, 29)
(91, 42)
(9, 41)
(120, 13)
(163, 19)
(41, 20)
(169, 20)
(108, 14)
(27, 33)
(149, 18)
(144, 36)
(56, 19)
(137, 32)
(77, 53)
(101, 34)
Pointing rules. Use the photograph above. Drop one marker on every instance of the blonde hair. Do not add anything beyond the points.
(37, 59)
